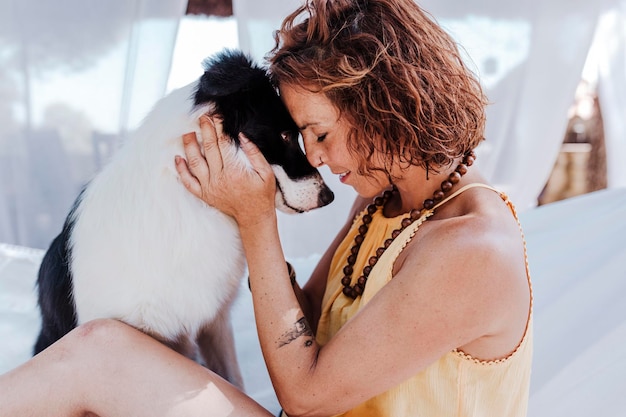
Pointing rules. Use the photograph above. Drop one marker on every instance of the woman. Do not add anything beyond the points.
(422, 303)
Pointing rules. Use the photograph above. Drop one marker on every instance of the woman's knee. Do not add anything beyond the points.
(100, 333)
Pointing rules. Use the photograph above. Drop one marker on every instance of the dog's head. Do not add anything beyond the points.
(241, 93)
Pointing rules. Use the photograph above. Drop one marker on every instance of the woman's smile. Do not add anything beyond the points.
(343, 176)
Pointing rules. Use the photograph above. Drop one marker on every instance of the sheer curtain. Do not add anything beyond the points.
(609, 66)
(75, 77)
(529, 56)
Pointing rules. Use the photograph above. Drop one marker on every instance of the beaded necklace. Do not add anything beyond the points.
(357, 289)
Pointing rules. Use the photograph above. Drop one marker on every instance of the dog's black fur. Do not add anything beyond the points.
(54, 285)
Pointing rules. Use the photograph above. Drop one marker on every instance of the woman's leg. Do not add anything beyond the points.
(110, 369)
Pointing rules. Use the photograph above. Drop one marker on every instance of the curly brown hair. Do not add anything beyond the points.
(391, 70)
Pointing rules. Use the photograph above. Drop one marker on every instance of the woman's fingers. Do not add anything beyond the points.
(189, 171)
(256, 158)
(204, 163)
(214, 172)
(212, 140)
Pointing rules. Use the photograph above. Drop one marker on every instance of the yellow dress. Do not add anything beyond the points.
(456, 384)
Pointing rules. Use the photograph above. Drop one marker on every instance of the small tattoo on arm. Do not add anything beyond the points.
(300, 328)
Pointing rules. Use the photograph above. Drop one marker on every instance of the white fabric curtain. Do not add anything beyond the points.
(578, 272)
(529, 57)
(75, 76)
(609, 65)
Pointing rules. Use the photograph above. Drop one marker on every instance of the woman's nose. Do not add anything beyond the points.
(314, 155)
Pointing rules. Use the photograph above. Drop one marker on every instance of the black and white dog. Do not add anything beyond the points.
(140, 248)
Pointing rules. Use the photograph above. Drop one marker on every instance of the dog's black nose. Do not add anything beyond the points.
(325, 197)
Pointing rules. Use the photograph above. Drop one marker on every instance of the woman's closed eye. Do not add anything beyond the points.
(321, 138)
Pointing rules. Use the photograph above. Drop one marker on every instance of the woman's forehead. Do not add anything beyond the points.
(308, 108)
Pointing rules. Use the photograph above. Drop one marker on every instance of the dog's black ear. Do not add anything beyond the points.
(226, 73)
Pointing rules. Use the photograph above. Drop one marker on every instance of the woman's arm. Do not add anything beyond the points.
(286, 337)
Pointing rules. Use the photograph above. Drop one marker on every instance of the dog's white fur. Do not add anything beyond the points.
(207, 252)
(191, 265)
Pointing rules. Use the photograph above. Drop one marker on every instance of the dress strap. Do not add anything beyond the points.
(463, 189)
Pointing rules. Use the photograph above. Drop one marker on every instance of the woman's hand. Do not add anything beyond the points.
(217, 177)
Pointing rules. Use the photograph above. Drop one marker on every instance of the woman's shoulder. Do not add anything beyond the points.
(475, 238)
(478, 209)
(478, 249)
(473, 267)
(487, 242)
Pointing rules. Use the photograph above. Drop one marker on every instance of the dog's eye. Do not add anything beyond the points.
(286, 136)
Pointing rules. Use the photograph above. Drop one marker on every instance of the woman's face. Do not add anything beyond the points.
(324, 134)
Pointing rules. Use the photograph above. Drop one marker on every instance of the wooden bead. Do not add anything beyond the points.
(367, 219)
(462, 169)
(438, 195)
(454, 178)
(348, 270)
(358, 290)
(361, 281)
(428, 204)
(446, 186)
(367, 270)
(406, 222)
(345, 281)
(380, 251)
(372, 261)
(363, 229)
